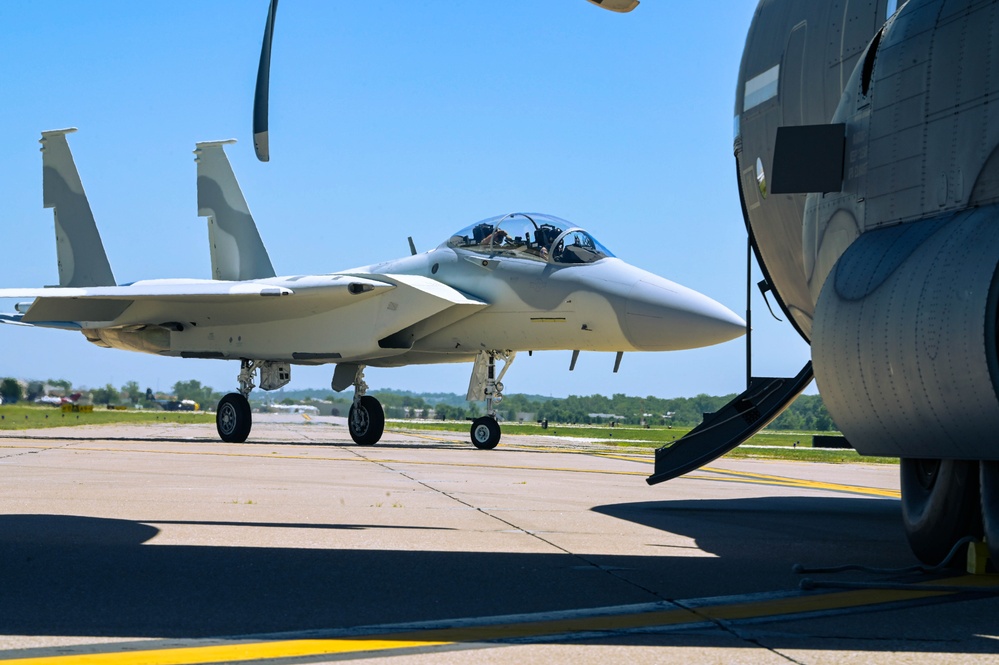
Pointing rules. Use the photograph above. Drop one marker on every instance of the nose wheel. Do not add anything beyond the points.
(485, 433)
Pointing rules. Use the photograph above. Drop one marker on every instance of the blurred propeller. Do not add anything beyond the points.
(260, 142)
(616, 5)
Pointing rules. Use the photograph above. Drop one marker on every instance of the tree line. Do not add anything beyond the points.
(806, 413)
(129, 394)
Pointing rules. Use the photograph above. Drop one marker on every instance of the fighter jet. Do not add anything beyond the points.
(510, 283)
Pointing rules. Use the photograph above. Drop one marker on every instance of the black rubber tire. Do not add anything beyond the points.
(990, 507)
(233, 418)
(485, 433)
(367, 429)
(940, 505)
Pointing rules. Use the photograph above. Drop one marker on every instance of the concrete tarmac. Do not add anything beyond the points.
(160, 544)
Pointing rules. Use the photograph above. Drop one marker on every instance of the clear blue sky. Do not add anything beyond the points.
(388, 119)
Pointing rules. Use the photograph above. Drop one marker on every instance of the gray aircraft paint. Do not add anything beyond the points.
(80, 252)
(237, 251)
(812, 47)
(919, 143)
(444, 305)
(898, 268)
(901, 330)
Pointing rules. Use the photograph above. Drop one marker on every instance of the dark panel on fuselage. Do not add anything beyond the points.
(809, 158)
(798, 56)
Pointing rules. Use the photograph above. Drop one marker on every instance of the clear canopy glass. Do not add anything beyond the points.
(530, 236)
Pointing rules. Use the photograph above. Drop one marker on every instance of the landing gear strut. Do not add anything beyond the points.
(485, 431)
(366, 420)
(233, 418)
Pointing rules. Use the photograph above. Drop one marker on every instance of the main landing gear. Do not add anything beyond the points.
(944, 501)
(485, 431)
(366, 420)
(233, 417)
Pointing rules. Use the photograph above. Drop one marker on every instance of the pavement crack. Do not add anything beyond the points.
(589, 563)
(35, 451)
(726, 627)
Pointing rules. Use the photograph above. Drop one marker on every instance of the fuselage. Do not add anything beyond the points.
(444, 305)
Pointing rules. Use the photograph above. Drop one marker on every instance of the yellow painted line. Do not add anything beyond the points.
(428, 437)
(626, 458)
(724, 475)
(278, 649)
(317, 458)
(805, 484)
(228, 652)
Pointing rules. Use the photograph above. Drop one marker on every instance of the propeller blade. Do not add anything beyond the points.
(260, 142)
(620, 6)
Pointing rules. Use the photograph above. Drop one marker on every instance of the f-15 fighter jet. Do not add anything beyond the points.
(516, 282)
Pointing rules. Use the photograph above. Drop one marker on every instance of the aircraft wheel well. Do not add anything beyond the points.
(940, 505)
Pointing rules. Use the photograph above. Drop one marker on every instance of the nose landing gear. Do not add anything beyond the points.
(485, 433)
(486, 385)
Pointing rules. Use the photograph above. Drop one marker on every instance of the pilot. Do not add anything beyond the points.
(496, 237)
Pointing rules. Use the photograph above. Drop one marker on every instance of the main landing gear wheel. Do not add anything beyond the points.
(990, 508)
(485, 433)
(233, 418)
(940, 505)
(366, 421)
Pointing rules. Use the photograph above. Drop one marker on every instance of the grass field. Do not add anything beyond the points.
(765, 445)
(15, 416)
(768, 444)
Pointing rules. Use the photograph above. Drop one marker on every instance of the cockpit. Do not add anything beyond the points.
(530, 236)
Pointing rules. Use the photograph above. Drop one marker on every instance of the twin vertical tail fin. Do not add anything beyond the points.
(238, 253)
(79, 249)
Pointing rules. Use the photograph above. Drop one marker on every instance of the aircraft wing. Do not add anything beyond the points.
(212, 301)
(421, 304)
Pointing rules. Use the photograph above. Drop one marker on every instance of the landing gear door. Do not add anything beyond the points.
(480, 373)
(274, 375)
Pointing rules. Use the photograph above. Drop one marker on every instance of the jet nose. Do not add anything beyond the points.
(664, 316)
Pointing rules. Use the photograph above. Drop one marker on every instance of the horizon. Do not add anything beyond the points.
(388, 121)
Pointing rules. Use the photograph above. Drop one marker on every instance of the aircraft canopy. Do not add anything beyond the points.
(530, 236)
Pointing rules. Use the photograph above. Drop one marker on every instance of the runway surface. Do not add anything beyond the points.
(160, 544)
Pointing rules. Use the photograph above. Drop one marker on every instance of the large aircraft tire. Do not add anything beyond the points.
(366, 421)
(485, 433)
(233, 418)
(940, 505)
(990, 508)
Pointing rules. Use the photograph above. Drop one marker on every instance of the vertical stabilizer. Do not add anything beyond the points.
(79, 250)
(237, 251)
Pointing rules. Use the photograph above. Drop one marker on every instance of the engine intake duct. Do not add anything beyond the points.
(904, 339)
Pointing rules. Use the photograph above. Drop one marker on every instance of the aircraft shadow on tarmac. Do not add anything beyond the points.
(814, 531)
(85, 576)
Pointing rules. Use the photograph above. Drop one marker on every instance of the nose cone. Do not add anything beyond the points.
(664, 316)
